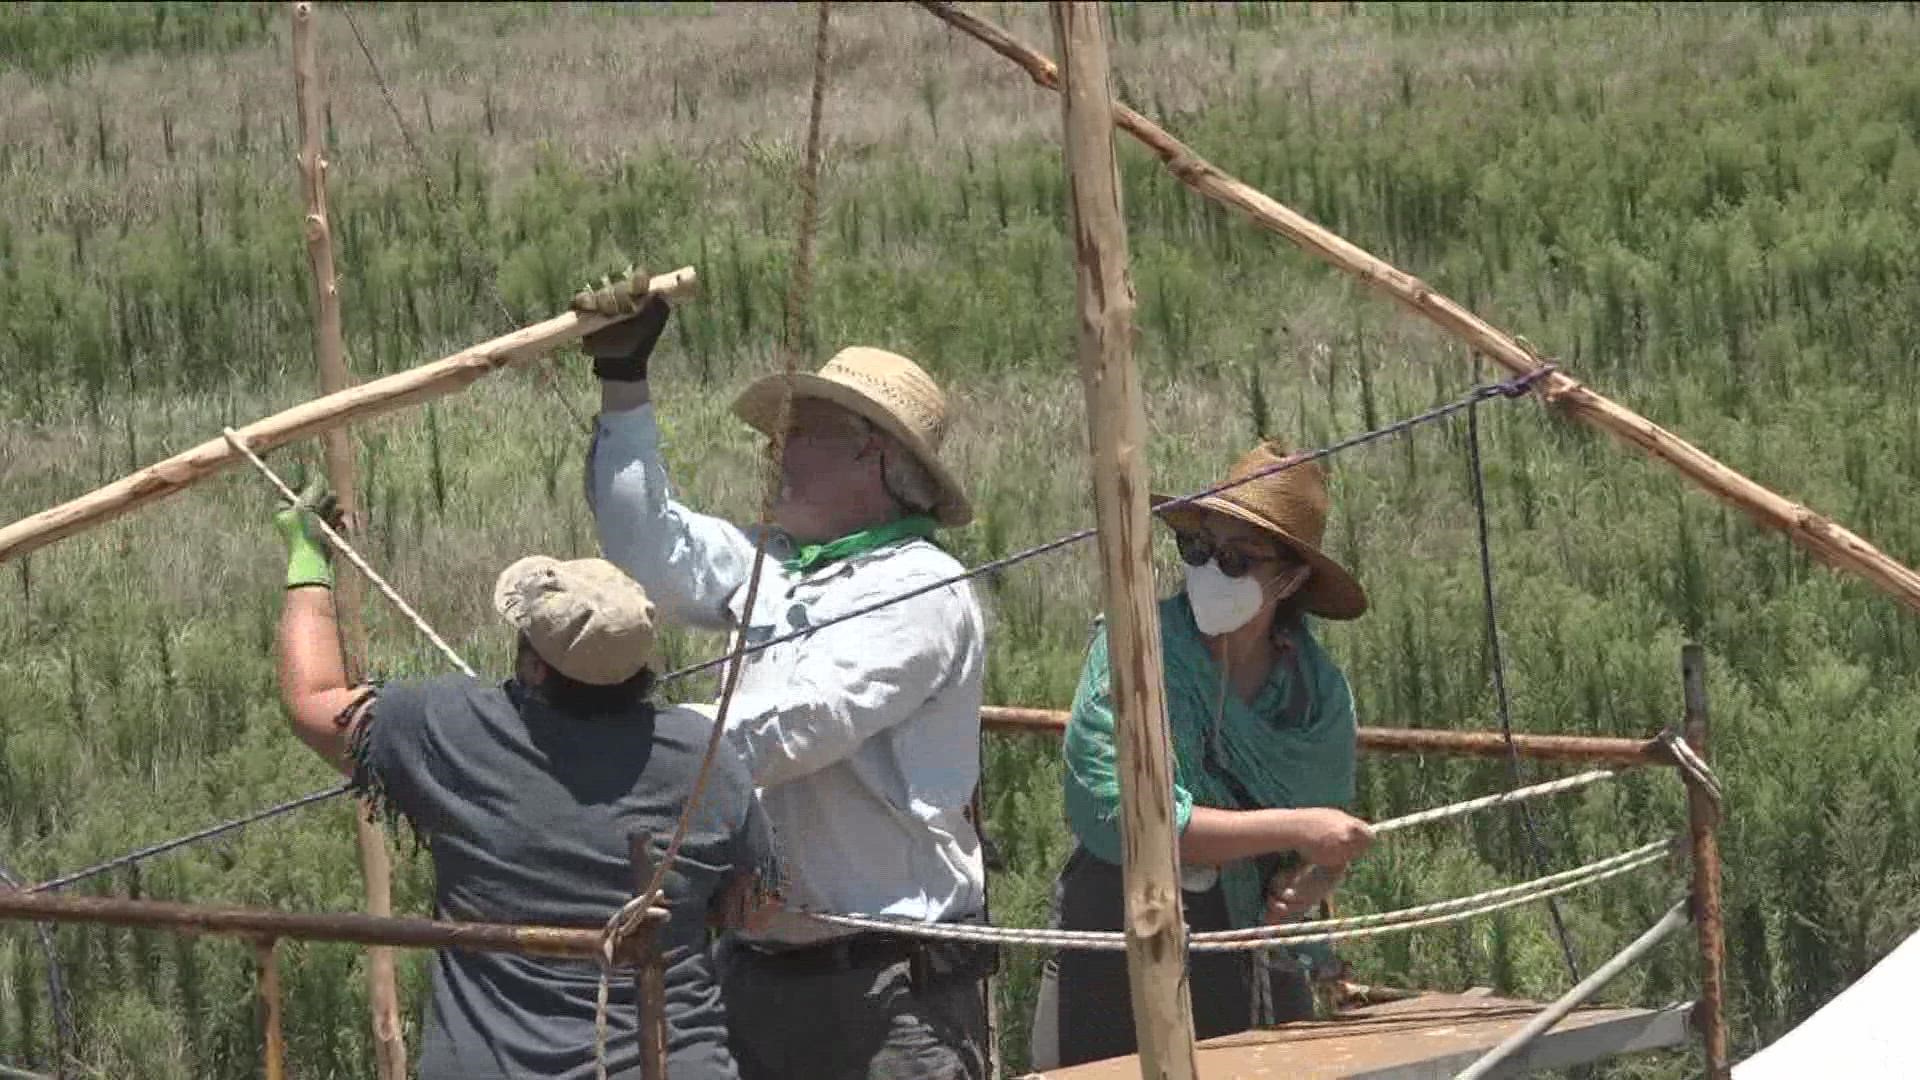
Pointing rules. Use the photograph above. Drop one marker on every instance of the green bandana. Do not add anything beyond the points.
(917, 527)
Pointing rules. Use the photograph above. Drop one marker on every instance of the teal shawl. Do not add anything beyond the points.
(1292, 747)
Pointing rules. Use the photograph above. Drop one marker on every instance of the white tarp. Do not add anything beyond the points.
(1866, 1033)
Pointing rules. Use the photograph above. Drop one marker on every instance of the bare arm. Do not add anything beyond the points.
(313, 676)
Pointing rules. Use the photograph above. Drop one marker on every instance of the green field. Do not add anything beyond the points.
(1712, 215)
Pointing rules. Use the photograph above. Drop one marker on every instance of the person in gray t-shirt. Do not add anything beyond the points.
(526, 793)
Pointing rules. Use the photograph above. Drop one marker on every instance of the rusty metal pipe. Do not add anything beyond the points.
(351, 927)
(1585, 748)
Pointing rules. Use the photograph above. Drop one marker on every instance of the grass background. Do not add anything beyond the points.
(1709, 214)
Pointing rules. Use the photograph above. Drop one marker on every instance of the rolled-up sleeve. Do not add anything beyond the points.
(1092, 784)
(851, 681)
(689, 563)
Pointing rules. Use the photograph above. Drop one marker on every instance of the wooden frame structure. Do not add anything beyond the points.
(1105, 304)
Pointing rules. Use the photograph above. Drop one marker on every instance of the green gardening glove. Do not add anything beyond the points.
(309, 559)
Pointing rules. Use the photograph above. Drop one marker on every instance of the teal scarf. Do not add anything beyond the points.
(1294, 746)
(811, 556)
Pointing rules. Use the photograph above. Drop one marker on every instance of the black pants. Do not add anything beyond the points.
(1087, 1012)
(868, 1010)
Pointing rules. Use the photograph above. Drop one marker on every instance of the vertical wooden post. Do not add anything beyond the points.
(1117, 427)
(329, 347)
(1708, 919)
(650, 977)
(273, 1047)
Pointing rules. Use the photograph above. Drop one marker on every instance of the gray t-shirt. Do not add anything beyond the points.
(527, 813)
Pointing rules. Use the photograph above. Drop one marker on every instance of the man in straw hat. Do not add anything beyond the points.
(863, 735)
(527, 793)
(1264, 744)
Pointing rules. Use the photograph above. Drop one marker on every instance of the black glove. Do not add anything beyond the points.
(620, 352)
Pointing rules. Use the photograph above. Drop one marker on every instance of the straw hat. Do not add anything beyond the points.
(885, 388)
(587, 619)
(1292, 505)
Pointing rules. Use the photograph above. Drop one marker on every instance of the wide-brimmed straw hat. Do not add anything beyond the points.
(1292, 505)
(585, 617)
(884, 388)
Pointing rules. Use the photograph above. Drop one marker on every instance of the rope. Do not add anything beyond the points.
(1497, 660)
(1695, 766)
(1391, 825)
(433, 198)
(65, 1041)
(1511, 388)
(340, 544)
(799, 295)
(1326, 930)
(1517, 795)
(208, 833)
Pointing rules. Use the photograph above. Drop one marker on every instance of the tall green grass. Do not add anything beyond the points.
(1710, 216)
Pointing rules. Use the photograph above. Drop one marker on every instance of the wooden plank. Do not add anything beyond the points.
(330, 354)
(1824, 539)
(1117, 429)
(1429, 1037)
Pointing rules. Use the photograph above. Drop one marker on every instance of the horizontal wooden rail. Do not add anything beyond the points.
(353, 927)
(1585, 748)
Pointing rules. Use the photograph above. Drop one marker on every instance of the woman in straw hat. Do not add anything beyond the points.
(1264, 745)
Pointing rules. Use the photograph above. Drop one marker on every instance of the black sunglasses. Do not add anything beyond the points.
(1197, 547)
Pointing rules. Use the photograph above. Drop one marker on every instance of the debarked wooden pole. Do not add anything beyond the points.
(1824, 539)
(322, 414)
(1117, 432)
(330, 356)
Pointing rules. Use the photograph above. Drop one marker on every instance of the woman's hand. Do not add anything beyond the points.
(1293, 893)
(1324, 836)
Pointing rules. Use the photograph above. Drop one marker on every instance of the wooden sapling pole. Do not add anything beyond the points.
(1703, 821)
(330, 352)
(1117, 426)
(362, 402)
(650, 973)
(1820, 537)
(273, 1043)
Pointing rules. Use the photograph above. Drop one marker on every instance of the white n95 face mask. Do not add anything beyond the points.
(1222, 604)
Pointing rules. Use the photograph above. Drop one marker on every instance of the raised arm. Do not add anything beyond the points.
(689, 563)
(321, 706)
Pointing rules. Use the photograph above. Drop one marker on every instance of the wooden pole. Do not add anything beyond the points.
(365, 401)
(650, 973)
(1703, 819)
(1117, 428)
(273, 1046)
(1824, 539)
(330, 352)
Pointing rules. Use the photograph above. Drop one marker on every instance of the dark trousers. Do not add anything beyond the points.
(872, 1008)
(1087, 1011)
